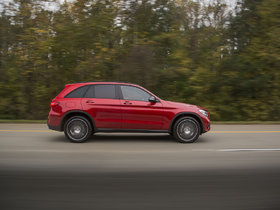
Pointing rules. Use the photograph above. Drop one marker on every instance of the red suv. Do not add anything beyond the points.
(83, 109)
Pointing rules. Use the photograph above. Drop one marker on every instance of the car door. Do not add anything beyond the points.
(138, 112)
(102, 103)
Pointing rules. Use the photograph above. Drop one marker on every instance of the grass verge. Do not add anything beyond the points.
(245, 122)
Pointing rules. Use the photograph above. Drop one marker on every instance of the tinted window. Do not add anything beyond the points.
(90, 92)
(77, 93)
(134, 93)
(105, 91)
(101, 91)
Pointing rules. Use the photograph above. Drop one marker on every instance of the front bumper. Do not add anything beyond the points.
(206, 124)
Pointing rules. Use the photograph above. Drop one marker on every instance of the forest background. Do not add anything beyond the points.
(224, 57)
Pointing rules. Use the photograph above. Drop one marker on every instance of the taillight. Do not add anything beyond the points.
(54, 103)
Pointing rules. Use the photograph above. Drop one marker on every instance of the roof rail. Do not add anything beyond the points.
(100, 82)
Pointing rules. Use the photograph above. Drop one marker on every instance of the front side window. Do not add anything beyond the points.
(134, 93)
(101, 91)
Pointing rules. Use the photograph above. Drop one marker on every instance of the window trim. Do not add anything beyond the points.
(118, 92)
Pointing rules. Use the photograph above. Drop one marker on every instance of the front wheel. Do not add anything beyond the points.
(186, 130)
(77, 129)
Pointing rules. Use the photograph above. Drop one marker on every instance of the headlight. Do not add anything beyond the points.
(205, 113)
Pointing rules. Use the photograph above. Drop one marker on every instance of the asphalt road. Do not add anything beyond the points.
(232, 167)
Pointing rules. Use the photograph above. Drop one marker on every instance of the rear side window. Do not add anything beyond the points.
(101, 91)
(77, 93)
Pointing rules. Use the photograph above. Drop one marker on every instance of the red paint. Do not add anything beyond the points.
(105, 112)
(120, 113)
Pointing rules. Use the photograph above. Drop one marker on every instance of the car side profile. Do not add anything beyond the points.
(82, 109)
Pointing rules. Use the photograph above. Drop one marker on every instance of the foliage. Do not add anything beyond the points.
(189, 51)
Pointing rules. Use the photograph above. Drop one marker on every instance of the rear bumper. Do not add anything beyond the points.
(53, 127)
(54, 122)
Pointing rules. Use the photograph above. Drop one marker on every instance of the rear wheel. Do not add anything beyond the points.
(77, 129)
(186, 130)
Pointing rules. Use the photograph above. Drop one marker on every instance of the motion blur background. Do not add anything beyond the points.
(222, 55)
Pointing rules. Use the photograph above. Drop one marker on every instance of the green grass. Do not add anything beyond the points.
(244, 122)
(212, 122)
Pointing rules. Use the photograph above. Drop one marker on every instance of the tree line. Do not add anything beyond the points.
(198, 52)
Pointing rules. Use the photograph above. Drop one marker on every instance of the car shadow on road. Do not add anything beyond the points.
(109, 138)
(131, 138)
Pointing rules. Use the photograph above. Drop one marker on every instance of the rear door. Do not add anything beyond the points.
(102, 102)
(138, 112)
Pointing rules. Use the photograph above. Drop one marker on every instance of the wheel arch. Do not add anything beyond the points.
(186, 114)
(76, 113)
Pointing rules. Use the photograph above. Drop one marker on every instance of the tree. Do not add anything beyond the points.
(250, 73)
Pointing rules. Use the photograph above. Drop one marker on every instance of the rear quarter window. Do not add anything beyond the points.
(77, 93)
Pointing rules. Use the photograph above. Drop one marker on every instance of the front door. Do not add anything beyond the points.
(138, 112)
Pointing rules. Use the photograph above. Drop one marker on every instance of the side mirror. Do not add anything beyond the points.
(153, 99)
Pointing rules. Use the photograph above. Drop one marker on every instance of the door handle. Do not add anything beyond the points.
(127, 102)
(90, 102)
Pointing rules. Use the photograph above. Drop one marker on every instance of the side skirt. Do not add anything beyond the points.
(109, 130)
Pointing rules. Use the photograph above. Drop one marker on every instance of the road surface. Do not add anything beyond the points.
(232, 167)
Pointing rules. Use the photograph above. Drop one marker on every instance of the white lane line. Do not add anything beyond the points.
(235, 150)
(244, 132)
(250, 149)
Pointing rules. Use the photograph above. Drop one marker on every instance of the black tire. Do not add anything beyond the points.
(186, 130)
(77, 129)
